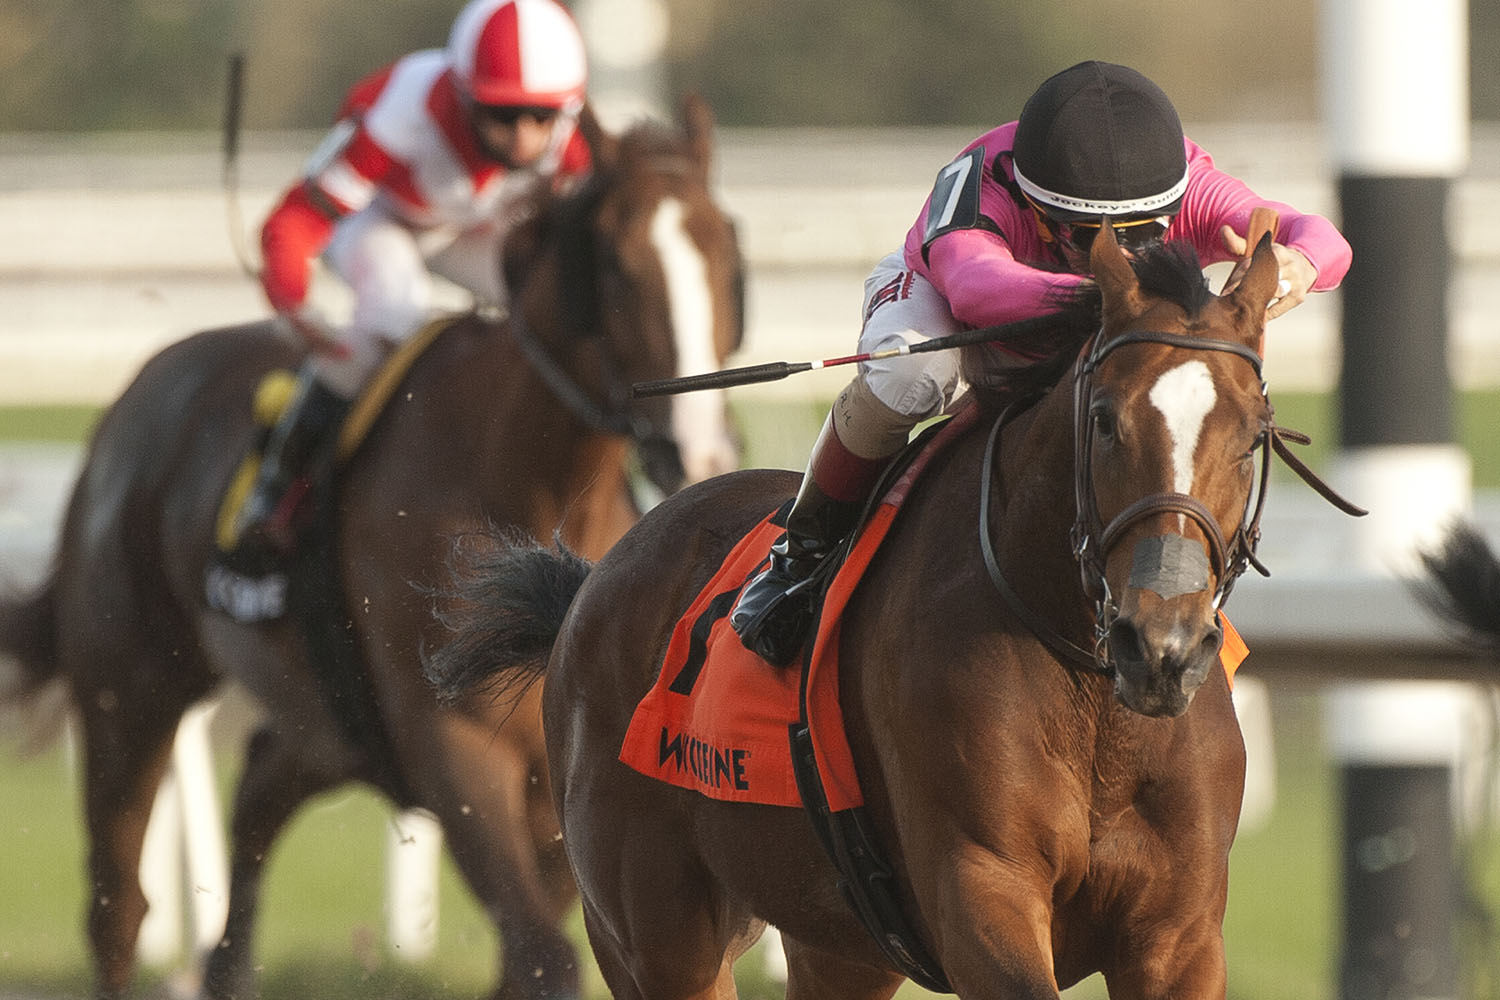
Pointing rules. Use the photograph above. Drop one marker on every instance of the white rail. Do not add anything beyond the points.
(117, 245)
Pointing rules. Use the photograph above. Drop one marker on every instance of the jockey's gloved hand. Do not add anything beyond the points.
(1297, 273)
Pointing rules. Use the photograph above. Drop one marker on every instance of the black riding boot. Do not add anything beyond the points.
(305, 432)
(774, 610)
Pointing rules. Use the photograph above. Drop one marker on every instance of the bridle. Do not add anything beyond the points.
(1091, 539)
(612, 415)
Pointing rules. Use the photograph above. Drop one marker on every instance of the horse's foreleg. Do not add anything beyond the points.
(127, 747)
(277, 778)
(994, 924)
(679, 971)
(812, 974)
(1175, 963)
(493, 835)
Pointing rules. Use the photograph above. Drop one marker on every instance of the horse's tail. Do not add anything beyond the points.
(28, 643)
(504, 607)
(1463, 585)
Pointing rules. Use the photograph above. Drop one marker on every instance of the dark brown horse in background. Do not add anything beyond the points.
(520, 421)
(1055, 776)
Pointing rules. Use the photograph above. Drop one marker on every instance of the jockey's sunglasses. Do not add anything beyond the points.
(508, 116)
(1079, 236)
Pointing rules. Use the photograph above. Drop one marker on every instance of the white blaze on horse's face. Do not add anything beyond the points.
(1184, 395)
(698, 419)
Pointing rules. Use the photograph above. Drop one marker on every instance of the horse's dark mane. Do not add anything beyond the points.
(1052, 341)
(1172, 271)
(1165, 270)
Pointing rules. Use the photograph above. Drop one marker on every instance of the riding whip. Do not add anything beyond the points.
(233, 100)
(776, 370)
(1262, 220)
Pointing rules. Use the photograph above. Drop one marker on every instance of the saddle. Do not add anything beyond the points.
(718, 718)
(253, 586)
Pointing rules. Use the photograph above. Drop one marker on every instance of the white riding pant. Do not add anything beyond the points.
(387, 268)
(888, 397)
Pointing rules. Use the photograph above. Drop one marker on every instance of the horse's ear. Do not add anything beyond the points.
(1255, 290)
(603, 147)
(698, 126)
(1112, 270)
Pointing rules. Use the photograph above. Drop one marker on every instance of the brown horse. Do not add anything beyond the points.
(1054, 776)
(519, 421)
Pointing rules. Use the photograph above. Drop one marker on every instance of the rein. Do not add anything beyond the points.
(1091, 539)
(1060, 645)
(614, 420)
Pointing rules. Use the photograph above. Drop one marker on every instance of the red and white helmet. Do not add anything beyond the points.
(518, 53)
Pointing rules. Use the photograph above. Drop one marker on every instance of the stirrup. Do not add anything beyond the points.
(774, 626)
(267, 521)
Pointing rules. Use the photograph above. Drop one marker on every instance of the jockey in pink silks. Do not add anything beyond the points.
(1015, 205)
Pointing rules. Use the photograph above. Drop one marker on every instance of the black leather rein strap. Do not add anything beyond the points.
(566, 390)
(1061, 646)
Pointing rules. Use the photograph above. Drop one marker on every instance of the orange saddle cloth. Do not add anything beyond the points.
(719, 718)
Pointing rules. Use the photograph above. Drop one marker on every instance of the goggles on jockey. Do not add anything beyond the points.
(1130, 233)
(509, 116)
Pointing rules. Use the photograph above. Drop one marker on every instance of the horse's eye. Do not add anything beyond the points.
(1104, 422)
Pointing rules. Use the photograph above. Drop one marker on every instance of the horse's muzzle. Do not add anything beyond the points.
(1162, 660)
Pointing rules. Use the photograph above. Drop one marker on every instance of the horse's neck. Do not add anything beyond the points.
(1032, 507)
(578, 469)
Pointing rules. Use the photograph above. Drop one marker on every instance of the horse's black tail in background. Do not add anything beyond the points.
(1462, 586)
(503, 608)
(28, 638)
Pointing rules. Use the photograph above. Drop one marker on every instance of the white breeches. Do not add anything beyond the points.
(388, 268)
(901, 306)
(889, 397)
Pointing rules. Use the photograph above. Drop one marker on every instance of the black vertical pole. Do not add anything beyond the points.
(1399, 890)
(1394, 387)
(1395, 78)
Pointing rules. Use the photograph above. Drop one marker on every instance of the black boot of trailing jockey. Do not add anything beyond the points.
(303, 434)
(775, 609)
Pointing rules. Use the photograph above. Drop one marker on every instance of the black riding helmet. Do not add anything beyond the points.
(1100, 139)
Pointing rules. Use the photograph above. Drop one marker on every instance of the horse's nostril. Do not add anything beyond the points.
(1212, 641)
(1125, 641)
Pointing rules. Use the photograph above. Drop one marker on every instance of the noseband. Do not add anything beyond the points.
(1092, 540)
